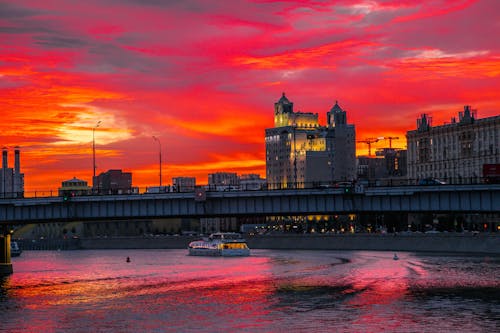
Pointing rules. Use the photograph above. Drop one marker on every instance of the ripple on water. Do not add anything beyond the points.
(270, 291)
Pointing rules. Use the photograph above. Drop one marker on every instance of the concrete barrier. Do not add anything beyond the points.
(456, 243)
(451, 243)
(164, 242)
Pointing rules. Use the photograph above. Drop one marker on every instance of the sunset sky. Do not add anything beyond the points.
(203, 77)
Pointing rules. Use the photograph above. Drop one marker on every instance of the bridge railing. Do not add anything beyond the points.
(367, 183)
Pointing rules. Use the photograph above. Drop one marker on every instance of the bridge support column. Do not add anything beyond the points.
(5, 264)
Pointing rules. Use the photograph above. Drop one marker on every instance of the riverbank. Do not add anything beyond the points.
(446, 243)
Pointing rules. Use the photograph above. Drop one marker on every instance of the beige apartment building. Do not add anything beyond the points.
(454, 152)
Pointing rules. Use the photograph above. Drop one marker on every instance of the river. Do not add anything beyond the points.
(270, 291)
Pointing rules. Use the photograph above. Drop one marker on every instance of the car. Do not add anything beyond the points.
(343, 184)
(431, 181)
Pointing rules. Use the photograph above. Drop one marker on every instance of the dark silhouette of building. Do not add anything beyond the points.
(223, 181)
(74, 187)
(387, 167)
(114, 182)
(183, 184)
(12, 180)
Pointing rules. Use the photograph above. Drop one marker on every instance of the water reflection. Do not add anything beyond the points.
(4, 288)
(320, 291)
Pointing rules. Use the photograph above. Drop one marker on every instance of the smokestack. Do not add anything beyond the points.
(17, 161)
(5, 163)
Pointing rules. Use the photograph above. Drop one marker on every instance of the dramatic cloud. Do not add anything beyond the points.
(203, 76)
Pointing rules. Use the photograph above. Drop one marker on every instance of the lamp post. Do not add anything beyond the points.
(159, 146)
(93, 151)
(294, 156)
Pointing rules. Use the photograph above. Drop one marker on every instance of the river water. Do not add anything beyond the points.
(270, 291)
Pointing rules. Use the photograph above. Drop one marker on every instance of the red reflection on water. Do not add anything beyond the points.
(381, 284)
(65, 290)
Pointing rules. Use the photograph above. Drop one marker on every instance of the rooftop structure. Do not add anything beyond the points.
(74, 187)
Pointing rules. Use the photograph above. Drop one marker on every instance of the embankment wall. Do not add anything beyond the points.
(453, 243)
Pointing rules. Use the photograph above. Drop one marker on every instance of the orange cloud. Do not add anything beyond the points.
(323, 56)
(448, 66)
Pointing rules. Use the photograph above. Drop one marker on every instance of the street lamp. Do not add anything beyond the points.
(93, 150)
(159, 146)
(294, 155)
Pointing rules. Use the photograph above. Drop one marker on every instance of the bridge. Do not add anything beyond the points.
(480, 198)
(484, 198)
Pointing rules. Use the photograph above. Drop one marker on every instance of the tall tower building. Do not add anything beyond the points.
(341, 144)
(301, 153)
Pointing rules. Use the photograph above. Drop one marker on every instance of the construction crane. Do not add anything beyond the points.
(369, 142)
(390, 138)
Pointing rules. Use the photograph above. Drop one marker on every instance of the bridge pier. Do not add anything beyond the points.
(5, 263)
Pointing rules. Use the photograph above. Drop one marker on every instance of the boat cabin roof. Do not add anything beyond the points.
(225, 235)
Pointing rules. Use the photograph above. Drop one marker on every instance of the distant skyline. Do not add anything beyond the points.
(203, 77)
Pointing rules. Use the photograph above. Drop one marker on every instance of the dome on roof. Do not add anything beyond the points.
(284, 100)
(336, 108)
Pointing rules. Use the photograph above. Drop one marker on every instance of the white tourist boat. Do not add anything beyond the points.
(226, 244)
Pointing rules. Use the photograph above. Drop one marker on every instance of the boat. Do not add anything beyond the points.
(395, 257)
(15, 251)
(225, 244)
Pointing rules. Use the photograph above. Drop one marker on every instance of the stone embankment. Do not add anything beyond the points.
(444, 242)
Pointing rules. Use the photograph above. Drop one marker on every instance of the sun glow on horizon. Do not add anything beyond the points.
(84, 127)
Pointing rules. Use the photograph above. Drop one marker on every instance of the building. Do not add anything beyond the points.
(114, 182)
(395, 161)
(453, 152)
(183, 184)
(370, 168)
(12, 180)
(223, 181)
(302, 153)
(74, 187)
(252, 182)
(387, 167)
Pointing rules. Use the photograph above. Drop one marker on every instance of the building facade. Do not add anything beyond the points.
(223, 181)
(252, 182)
(387, 167)
(12, 180)
(454, 152)
(183, 184)
(74, 187)
(114, 182)
(302, 153)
